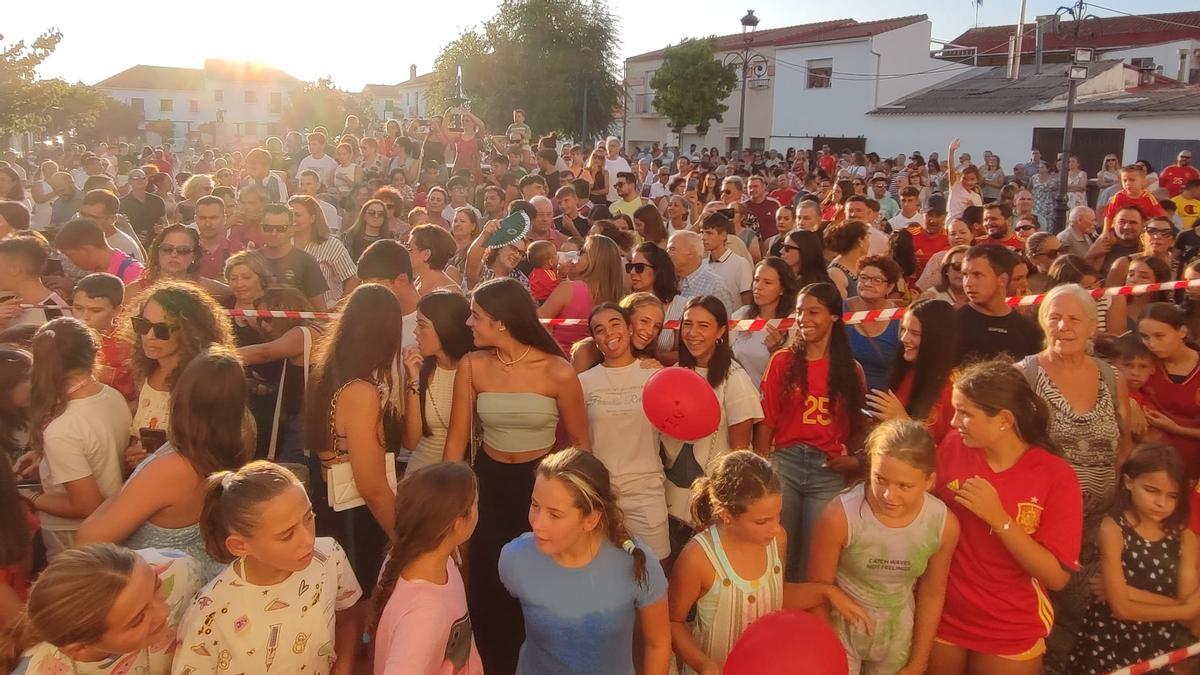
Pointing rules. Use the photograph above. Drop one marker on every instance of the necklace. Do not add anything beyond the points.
(80, 385)
(509, 364)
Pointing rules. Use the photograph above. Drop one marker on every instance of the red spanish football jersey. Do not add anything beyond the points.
(993, 606)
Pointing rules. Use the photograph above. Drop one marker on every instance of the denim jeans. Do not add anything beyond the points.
(807, 487)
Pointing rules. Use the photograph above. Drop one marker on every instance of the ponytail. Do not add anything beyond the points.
(60, 347)
(587, 479)
(702, 507)
(232, 500)
(998, 385)
(740, 479)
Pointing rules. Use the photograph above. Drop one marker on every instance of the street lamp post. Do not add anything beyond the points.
(1077, 71)
(749, 23)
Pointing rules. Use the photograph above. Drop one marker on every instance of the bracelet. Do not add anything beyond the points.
(1008, 524)
(34, 498)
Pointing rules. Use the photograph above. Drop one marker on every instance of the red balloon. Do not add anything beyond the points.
(681, 404)
(779, 642)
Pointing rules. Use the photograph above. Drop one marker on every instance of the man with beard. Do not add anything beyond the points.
(1122, 239)
(997, 219)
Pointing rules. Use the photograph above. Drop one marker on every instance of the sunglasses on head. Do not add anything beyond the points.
(142, 326)
(640, 268)
(176, 250)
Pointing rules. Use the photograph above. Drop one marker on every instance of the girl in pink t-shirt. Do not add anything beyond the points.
(421, 622)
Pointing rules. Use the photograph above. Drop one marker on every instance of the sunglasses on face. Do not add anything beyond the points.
(268, 229)
(639, 268)
(1026, 228)
(1158, 232)
(374, 212)
(790, 247)
(955, 265)
(176, 250)
(142, 326)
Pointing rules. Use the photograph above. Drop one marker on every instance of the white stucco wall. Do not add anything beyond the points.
(1011, 136)
(841, 110)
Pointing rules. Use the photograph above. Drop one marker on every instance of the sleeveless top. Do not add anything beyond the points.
(1088, 439)
(517, 421)
(851, 278)
(879, 564)
(875, 353)
(578, 307)
(438, 397)
(732, 603)
(186, 539)
(153, 411)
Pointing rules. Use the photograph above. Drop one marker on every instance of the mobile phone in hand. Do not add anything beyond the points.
(152, 439)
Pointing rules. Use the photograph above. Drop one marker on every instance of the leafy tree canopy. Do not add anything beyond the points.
(691, 85)
(538, 55)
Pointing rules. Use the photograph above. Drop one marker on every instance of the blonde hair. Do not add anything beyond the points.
(233, 499)
(605, 275)
(906, 440)
(587, 479)
(70, 601)
(635, 301)
(319, 232)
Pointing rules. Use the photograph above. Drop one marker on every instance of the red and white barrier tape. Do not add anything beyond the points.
(752, 325)
(1160, 661)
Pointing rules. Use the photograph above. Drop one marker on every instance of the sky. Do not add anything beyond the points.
(377, 43)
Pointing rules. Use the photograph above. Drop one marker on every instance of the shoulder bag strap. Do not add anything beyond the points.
(275, 417)
(470, 410)
(279, 394)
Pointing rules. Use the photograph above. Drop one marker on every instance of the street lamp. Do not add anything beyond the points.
(742, 59)
(1077, 71)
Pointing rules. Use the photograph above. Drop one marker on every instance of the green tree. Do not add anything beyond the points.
(691, 85)
(24, 99)
(321, 103)
(538, 55)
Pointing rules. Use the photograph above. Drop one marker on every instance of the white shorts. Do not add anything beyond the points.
(643, 500)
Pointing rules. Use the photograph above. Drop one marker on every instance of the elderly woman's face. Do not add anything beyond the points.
(1067, 325)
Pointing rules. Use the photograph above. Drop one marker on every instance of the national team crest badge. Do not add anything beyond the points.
(1029, 516)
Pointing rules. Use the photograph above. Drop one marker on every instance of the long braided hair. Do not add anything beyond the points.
(428, 504)
(587, 479)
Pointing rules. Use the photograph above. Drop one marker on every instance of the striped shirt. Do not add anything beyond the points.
(336, 266)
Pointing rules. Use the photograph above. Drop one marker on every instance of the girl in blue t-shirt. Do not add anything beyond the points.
(581, 579)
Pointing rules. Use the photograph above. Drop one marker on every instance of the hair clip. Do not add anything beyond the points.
(628, 546)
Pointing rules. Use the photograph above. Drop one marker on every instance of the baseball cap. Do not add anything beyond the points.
(936, 204)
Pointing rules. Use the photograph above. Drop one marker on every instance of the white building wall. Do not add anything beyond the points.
(841, 110)
(644, 128)
(1011, 136)
(237, 112)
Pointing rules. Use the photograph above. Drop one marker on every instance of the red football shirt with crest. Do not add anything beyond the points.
(993, 606)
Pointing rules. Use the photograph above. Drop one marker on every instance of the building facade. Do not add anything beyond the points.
(797, 87)
(223, 102)
(407, 100)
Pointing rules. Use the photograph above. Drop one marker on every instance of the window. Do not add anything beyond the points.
(251, 128)
(274, 128)
(820, 73)
(166, 105)
(389, 105)
(251, 96)
(218, 95)
(138, 104)
(276, 104)
(193, 106)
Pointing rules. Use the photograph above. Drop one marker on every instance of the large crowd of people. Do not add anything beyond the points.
(445, 477)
